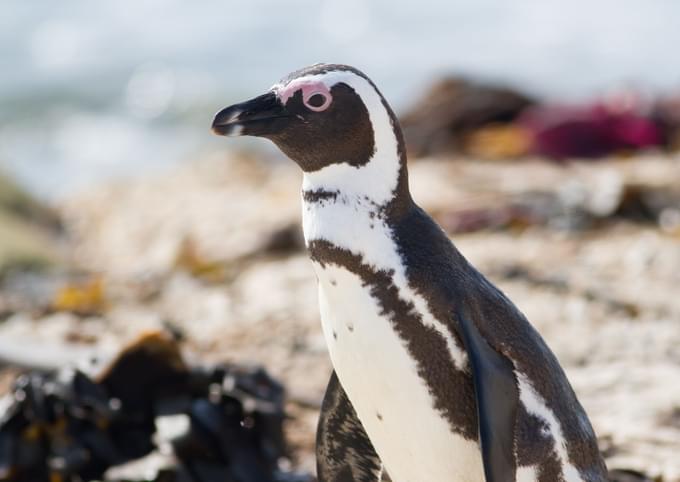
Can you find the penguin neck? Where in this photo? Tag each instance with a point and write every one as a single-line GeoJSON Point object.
{"type": "Point", "coordinates": [366, 186]}
{"type": "Point", "coordinates": [356, 209]}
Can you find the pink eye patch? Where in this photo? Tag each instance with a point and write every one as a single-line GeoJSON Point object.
{"type": "Point", "coordinates": [315, 95]}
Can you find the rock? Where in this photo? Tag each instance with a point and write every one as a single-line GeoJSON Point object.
{"type": "Point", "coordinates": [666, 113]}
{"type": "Point", "coordinates": [625, 475]}
{"type": "Point", "coordinates": [452, 109]}
{"type": "Point", "coordinates": [286, 240]}
{"type": "Point", "coordinates": [28, 230]}
{"type": "Point", "coordinates": [18, 202]}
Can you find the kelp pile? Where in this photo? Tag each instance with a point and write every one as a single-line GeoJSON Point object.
{"type": "Point", "coordinates": [146, 416]}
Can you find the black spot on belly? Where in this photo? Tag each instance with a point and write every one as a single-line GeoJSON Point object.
{"type": "Point", "coordinates": [335, 335]}
{"type": "Point", "coordinates": [350, 328]}
{"type": "Point", "coordinates": [451, 389]}
{"type": "Point", "coordinates": [379, 416]}
{"type": "Point", "coordinates": [319, 195]}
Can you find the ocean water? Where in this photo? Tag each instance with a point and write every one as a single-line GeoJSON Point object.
{"type": "Point", "coordinates": [95, 90]}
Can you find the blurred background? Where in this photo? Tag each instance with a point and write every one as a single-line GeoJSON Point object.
{"type": "Point", "coordinates": [542, 135]}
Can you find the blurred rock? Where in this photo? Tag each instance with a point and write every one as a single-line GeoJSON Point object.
{"type": "Point", "coordinates": [624, 475]}
{"type": "Point", "coordinates": [452, 109]}
{"type": "Point", "coordinates": [28, 228]}
{"type": "Point", "coordinates": [666, 112]}
{"type": "Point", "coordinates": [285, 240]}
{"type": "Point", "coordinates": [18, 202]}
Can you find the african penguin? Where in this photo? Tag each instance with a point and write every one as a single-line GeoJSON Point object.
{"type": "Point", "coordinates": [438, 376]}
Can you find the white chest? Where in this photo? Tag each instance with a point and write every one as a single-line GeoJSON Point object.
{"type": "Point", "coordinates": [380, 377]}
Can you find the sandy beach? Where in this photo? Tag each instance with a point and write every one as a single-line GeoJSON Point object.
{"type": "Point", "coordinates": [213, 248]}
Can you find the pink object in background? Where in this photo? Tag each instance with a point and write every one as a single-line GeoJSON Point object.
{"type": "Point", "coordinates": [594, 130]}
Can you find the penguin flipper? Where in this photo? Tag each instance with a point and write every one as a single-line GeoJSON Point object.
{"type": "Point", "coordinates": [344, 452]}
{"type": "Point", "coordinates": [497, 398]}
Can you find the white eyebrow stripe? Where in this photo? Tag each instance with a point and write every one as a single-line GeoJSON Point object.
{"type": "Point", "coordinates": [306, 84]}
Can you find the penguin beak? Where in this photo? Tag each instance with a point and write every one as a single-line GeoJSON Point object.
{"type": "Point", "coordinates": [262, 116]}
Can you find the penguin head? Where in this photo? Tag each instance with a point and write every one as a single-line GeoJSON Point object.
{"type": "Point", "coordinates": [322, 115]}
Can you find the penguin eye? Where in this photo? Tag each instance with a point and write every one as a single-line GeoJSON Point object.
{"type": "Point", "coordinates": [317, 101]}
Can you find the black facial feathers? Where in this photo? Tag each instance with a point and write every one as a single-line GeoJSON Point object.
{"type": "Point", "coordinates": [342, 133]}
